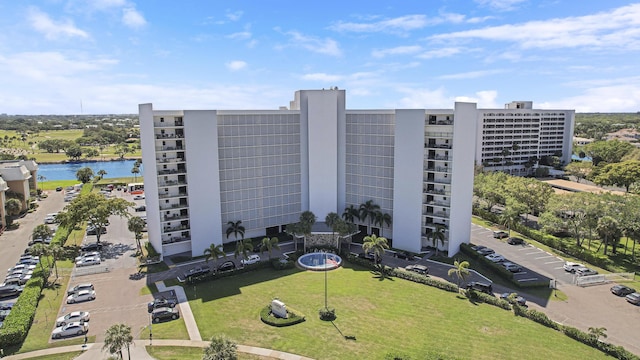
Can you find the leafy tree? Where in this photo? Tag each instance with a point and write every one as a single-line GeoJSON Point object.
{"type": "Point", "coordinates": [13, 207]}
{"type": "Point", "coordinates": [460, 270]}
{"type": "Point", "coordinates": [214, 251]}
{"type": "Point", "coordinates": [375, 244]}
{"type": "Point", "coordinates": [101, 173]}
{"type": "Point", "coordinates": [221, 348]}
{"type": "Point", "coordinates": [84, 175]}
{"type": "Point", "coordinates": [511, 213]}
{"type": "Point", "coordinates": [598, 332]}
{"type": "Point", "coordinates": [41, 232]}
{"type": "Point", "coordinates": [532, 193]}
{"type": "Point", "coordinates": [122, 150]}
{"type": "Point", "coordinates": [39, 250]}
{"type": "Point", "coordinates": [630, 221]}
{"type": "Point", "coordinates": [268, 245]}
{"type": "Point", "coordinates": [243, 247]}
{"type": "Point", "coordinates": [608, 151]}
{"type": "Point", "coordinates": [571, 212]}
{"type": "Point", "coordinates": [95, 209]}
{"type": "Point", "coordinates": [580, 169]}
{"type": "Point", "coordinates": [343, 228]}
{"type": "Point", "coordinates": [235, 228]}
{"type": "Point", "coordinates": [116, 338]}
{"type": "Point", "coordinates": [609, 231]}
{"type": "Point", "coordinates": [368, 211]}
{"type": "Point", "coordinates": [136, 225]}
{"type": "Point", "coordinates": [74, 152]}
{"type": "Point", "coordinates": [351, 214]}
{"type": "Point", "coordinates": [91, 153]}
{"type": "Point", "coordinates": [490, 187]}
{"type": "Point", "coordinates": [622, 174]}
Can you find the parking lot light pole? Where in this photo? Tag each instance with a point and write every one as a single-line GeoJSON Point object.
{"type": "Point", "coordinates": [150, 329]}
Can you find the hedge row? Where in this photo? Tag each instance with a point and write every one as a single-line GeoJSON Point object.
{"type": "Point", "coordinates": [219, 275]}
{"type": "Point", "coordinates": [551, 241]}
{"type": "Point", "coordinates": [16, 326]}
{"type": "Point", "coordinates": [499, 269]}
{"type": "Point", "coordinates": [294, 318]}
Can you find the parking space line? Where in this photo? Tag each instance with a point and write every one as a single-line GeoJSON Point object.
{"type": "Point", "coordinates": [558, 268]}
{"type": "Point", "coordinates": [533, 253]}
{"type": "Point", "coordinates": [520, 273]}
{"type": "Point", "coordinates": [551, 262]}
{"type": "Point", "coordinates": [529, 279]}
{"type": "Point", "coordinates": [542, 257]}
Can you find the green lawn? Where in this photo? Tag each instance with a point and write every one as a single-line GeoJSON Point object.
{"type": "Point", "coordinates": [383, 315]}
{"type": "Point", "coordinates": [175, 329]}
{"type": "Point", "coordinates": [184, 353]}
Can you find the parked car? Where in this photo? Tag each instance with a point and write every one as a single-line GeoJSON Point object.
{"type": "Point", "coordinates": [28, 261]}
{"type": "Point", "coordinates": [82, 295]}
{"type": "Point", "coordinates": [516, 298]}
{"type": "Point", "coordinates": [16, 280]}
{"type": "Point", "coordinates": [585, 271]}
{"type": "Point", "coordinates": [571, 266]}
{"type": "Point", "coordinates": [10, 290]}
{"type": "Point", "coordinates": [496, 258]}
{"type": "Point", "coordinates": [197, 271]}
{"type": "Point", "coordinates": [80, 287]}
{"type": "Point", "coordinates": [4, 314]}
{"type": "Point", "coordinates": [160, 303]}
{"type": "Point", "coordinates": [87, 255]}
{"type": "Point", "coordinates": [485, 251]}
{"type": "Point", "coordinates": [59, 188]}
{"type": "Point", "coordinates": [71, 329]}
{"type": "Point", "coordinates": [633, 298]}
{"type": "Point", "coordinates": [88, 261]}
{"type": "Point", "coordinates": [91, 247]}
{"type": "Point", "coordinates": [515, 241]}
{"type": "Point", "coordinates": [140, 208]}
{"type": "Point", "coordinates": [499, 234]}
{"type": "Point", "coordinates": [227, 266]}
{"type": "Point", "coordinates": [76, 316]}
{"type": "Point", "coordinates": [93, 230]}
{"type": "Point", "coordinates": [138, 197]}
{"type": "Point", "coordinates": [252, 259]}
{"type": "Point", "coordinates": [512, 267]}
{"type": "Point", "coordinates": [477, 248]}
{"type": "Point", "coordinates": [420, 269]}
{"type": "Point", "coordinates": [23, 267]}
{"type": "Point", "coordinates": [480, 286]}
{"type": "Point", "coordinates": [622, 290]}
{"type": "Point", "coordinates": [164, 313]}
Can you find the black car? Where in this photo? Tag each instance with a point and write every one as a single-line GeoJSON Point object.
{"type": "Point", "coordinates": [480, 286]}
{"type": "Point", "coordinates": [92, 230]}
{"type": "Point", "coordinates": [622, 290]}
{"type": "Point", "coordinates": [485, 251]}
{"type": "Point", "coordinates": [10, 290]}
{"type": "Point", "coordinates": [91, 247]}
{"type": "Point", "coordinates": [227, 266]}
{"type": "Point", "coordinates": [141, 208]}
{"type": "Point", "coordinates": [515, 241]}
{"type": "Point", "coordinates": [164, 313]}
{"type": "Point", "coordinates": [198, 271]}
{"type": "Point", "coordinates": [161, 303]}
{"type": "Point", "coordinates": [59, 188]}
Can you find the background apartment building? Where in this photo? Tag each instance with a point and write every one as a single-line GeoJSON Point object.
{"type": "Point", "coordinates": [265, 167]}
{"type": "Point", "coordinates": [516, 138]}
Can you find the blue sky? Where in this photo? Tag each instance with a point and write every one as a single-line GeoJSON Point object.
{"type": "Point", "coordinates": [111, 55]}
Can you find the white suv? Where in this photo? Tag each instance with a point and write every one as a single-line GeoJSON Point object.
{"type": "Point", "coordinates": [571, 266]}
{"type": "Point", "coordinates": [252, 259]}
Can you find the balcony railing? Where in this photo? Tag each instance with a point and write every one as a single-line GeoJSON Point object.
{"type": "Point", "coordinates": [172, 183]}
{"type": "Point", "coordinates": [168, 124]}
{"type": "Point", "coordinates": [441, 214]}
{"type": "Point", "coordinates": [175, 217]}
{"type": "Point", "coordinates": [169, 195]}
{"type": "Point", "coordinates": [438, 192]}
{"type": "Point", "coordinates": [432, 134]}
{"type": "Point", "coordinates": [444, 169]}
{"type": "Point", "coordinates": [440, 157]}
{"type": "Point", "coordinates": [176, 228]}
{"type": "Point", "coordinates": [437, 146]}
{"type": "Point", "coordinates": [171, 171]}
{"type": "Point", "coordinates": [439, 181]}
{"type": "Point", "coordinates": [175, 240]}
{"type": "Point", "coordinates": [439, 203]}
{"type": "Point", "coordinates": [434, 225]}
{"type": "Point", "coordinates": [172, 206]}
{"type": "Point", "coordinates": [169, 148]}
{"type": "Point", "coordinates": [169, 136]}
{"type": "Point", "coordinates": [170, 160]}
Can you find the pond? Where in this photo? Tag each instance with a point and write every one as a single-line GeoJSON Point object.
{"type": "Point", "coordinates": [67, 171]}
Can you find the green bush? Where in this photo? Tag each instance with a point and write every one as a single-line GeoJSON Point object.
{"type": "Point", "coordinates": [292, 319]}
{"type": "Point", "coordinates": [489, 299]}
{"type": "Point", "coordinates": [278, 264]}
{"type": "Point", "coordinates": [542, 318]}
{"type": "Point", "coordinates": [16, 325]}
{"type": "Point", "coordinates": [327, 314]}
{"type": "Point", "coordinates": [219, 275]}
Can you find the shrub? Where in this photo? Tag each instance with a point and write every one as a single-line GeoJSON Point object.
{"type": "Point", "coordinates": [280, 264]}
{"type": "Point", "coordinates": [18, 322]}
{"type": "Point", "coordinates": [542, 318]}
{"type": "Point", "coordinates": [219, 275]}
{"type": "Point", "coordinates": [293, 317]}
{"type": "Point", "coordinates": [488, 299]}
{"type": "Point", "coordinates": [327, 314]}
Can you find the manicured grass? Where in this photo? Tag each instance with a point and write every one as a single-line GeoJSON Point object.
{"type": "Point", "coordinates": [174, 329]}
{"type": "Point", "coordinates": [64, 356]}
{"type": "Point", "coordinates": [383, 315]}
{"type": "Point", "coordinates": [53, 184]}
{"type": "Point", "coordinates": [184, 353]}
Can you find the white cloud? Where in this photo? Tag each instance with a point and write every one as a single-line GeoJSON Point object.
{"type": "Point", "coordinates": [501, 5]}
{"type": "Point", "coordinates": [471, 74]}
{"type": "Point", "coordinates": [133, 18]}
{"type": "Point", "coordinates": [424, 99]}
{"type": "Point", "coordinates": [236, 65]}
{"type": "Point", "coordinates": [399, 50]}
{"type": "Point", "coordinates": [51, 66]}
{"type": "Point", "coordinates": [51, 29]}
{"type": "Point", "coordinates": [322, 77]}
{"type": "Point", "coordinates": [234, 16]}
{"type": "Point", "coordinates": [242, 35]}
{"type": "Point", "coordinates": [617, 29]}
{"type": "Point", "coordinates": [404, 24]}
{"type": "Point", "coordinates": [485, 99]}
{"type": "Point", "coordinates": [322, 46]}
{"type": "Point", "coordinates": [440, 53]}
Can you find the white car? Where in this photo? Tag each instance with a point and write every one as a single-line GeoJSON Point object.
{"type": "Point", "coordinates": [496, 258]}
{"type": "Point", "coordinates": [512, 267]}
{"type": "Point", "coordinates": [252, 259]}
{"type": "Point", "coordinates": [585, 271]}
{"type": "Point", "coordinates": [571, 266]}
{"type": "Point", "coordinates": [71, 329]}
{"type": "Point", "coordinates": [82, 295]}
{"type": "Point", "coordinates": [21, 267]}
{"type": "Point", "coordinates": [76, 316]}
{"type": "Point", "coordinates": [88, 255]}
{"type": "Point", "coordinates": [88, 261]}
{"type": "Point", "coordinates": [138, 197]}
{"type": "Point", "coordinates": [79, 287]}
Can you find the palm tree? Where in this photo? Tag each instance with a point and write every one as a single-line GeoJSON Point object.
{"type": "Point", "coordinates": [351, 214]}
{"type": "Point", "coordinates": [41, 251]}
{"type": "Point", "coordinates": [307, 220]}
{"type": "Point", "coordinates": [368, 211]}
{"type": "Point", "coordinates": [41, 232]}
{"type": "Point", "coordinates": [598, 332]}
{"type": "Point", "coordinates": [436, 235]}
{"type": "Point", "coordinates": [243, 247]}
{"type": "Point", "coordinates": [214, 251]}
{"type": "Point", "coordinates": [268, 245]}
{"type": "Point", "coordinates": [609, 231]}
{"type": "Point", "coordinates": [135, 171]}
{"type": "Point", "coordinates": [117, 337]}
{"type": "Point", "coordinates": [331, 220]}
{"type": "Point", "coordinates": [460, 270]}
{"type": "Point", "coordinates": [375, 244]}
{"type": "Point", "coordinates": [381, 219]}
{"type": "Point", "coordinates": [136, 225]}
{"type": "Point", "coordinates": [101, 173]}
{"type": "Point", "coordinates": [235, 228]}
{"type": "Point", "coordinates": [56, 251]}
{"type": "Point", "coordinates": [221, 348]}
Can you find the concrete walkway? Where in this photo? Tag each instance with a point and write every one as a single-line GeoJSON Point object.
{"type": "Point", "coordinates": [138, 350]}
{"type": "Point", "coordinates": [185, 310]}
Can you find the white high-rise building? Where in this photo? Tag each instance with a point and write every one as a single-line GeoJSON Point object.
{"type": "Point", "coordinates": [265, 167]}
{"type": "Point", "coordinates": [517, 138]}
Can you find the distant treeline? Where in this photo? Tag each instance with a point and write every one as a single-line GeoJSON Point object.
{"type": "Point", "coordinates": [597, 125]}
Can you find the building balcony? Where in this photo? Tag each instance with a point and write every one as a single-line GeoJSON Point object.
{"type": "Point", "coordinates": [433, 225]}
{"type": "Point", "coordinates": [167, 124]}
{"type": "Point", "coordinates": [440, 157]}
{"type": "Point", "coordinates": [440, 214]}
{"type": "Point", "coordinates": [438, 192]}
{"type": "Point", "coordinates": [172, 183]}
{"type": "Point", "coordinates": [174, 217]}
{"type": "Point", "coordinates": [171, 171]}
{"type": "Point", "coordinates": [169, 136]}
{"type": "Point", "coordinates": [169, 148]}
{"type": "Point", "coordinates": [167, 230]}
{"type": "Point", "coordinates": [438, 181]}
{"type": "Point", "coordinates": [437, 146]}
{"type": "Point", "coordinates": [439, 203]}
{"type": "Point", "coordinates": [167, 196]}
{"type": "Point", "coordinates": [175, 240]}
{"type": "Point", "coordinates": [173, 206]}
{"type": "Point", "coordinates": [441, 169]}
{"type": "Point", "coordinates": [435, 134]}
{"type": "Point", "coordinates": [170, 160]}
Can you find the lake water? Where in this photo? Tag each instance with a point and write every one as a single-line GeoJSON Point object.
{"type": "Point", "coordinates": [68, 171]}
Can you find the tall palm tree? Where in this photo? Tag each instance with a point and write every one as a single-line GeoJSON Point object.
{"type": "Point", "coordinates": [375, 244]}
{"type": "Point", "coordinates": [235, 228]}
{"type": "Point", "coordinates": [351, 214]}
{"type": "Point", "coordinates": [609, 231]}
{"type": "Point", "coordinates": [331, 220]}
{"type": "Point", "coordinates": [136, 225]}
{"type": "Point", "coordinates": [57, 252]}
{"type": "Point", "coordinates": [214, 251]}
{"type": "Point", "coordinates": [307, 220]}
{"type": "Point", "coordinates": [381, 219]}
{"type": "Point", "coordinates": [460, 270]}
{"type": "Point", "coordinates": [135, 171]}
{"type": "Point", "coordinates": [368, 211]}
{"type": "Point", "coordinates": [41, 251]}
{"type": "Point", "coordinates": [243, 247]}
{"type": "Point", "coordinates": [598, 332]}
{"type": "Point", "coordinates": [220, 348]}
{"type": "Point", "coordinates": [101, 173]}
{"type": "Point", "coordinates": [438, 234]}
{"type": "Point", "coordinates": [268, 245]}
{"type": "Point", "coordinates": [117, 337]}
